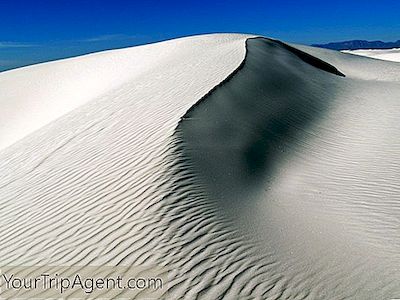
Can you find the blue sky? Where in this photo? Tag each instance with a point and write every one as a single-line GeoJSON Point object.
{"type": "Point", "coordinates": [36, 31]}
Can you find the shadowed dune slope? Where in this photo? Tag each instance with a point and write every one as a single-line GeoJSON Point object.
{"type": "Point", "coordinates": [278, 148]}
{"type": "Point", "coordinates": [248, 118]}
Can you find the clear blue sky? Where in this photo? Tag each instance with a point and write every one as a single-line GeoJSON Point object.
{"type": "Point", "coordinates": [34, 31]}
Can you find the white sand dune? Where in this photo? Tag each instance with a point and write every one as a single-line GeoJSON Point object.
{"type": "Point", "coordinates": [36, 95]}
{"type": "Point", "coordinates": [248, 168]}
{"type": "Point", "coordinates": [384, 54]}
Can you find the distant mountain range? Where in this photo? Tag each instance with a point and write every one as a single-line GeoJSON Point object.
{"type": "Point", "coordinates": [359, 44]}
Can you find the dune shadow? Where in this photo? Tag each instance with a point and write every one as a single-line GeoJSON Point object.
{"type": "Point", "coordinates": [237, 135]}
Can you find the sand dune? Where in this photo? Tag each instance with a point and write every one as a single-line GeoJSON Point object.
{"type": "Point", "coordinates": [249, 168]}
{"type": "Point", "coordinates": [33, 96]}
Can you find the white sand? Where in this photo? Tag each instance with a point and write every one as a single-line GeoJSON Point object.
{"type": "Point", "coordinates": [384, 54]}
{"type": "Point", "coordinates": [89, 187]}
{"type": "Point", "coordinates": [33, 96]}
{"type": "Point", "coordinates": [106, 180]}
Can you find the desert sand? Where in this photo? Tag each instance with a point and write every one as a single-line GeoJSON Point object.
{"type": "Point", "coordinates": [384, 54]}
{"type": "Point", "coordinates": [249, 168]}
